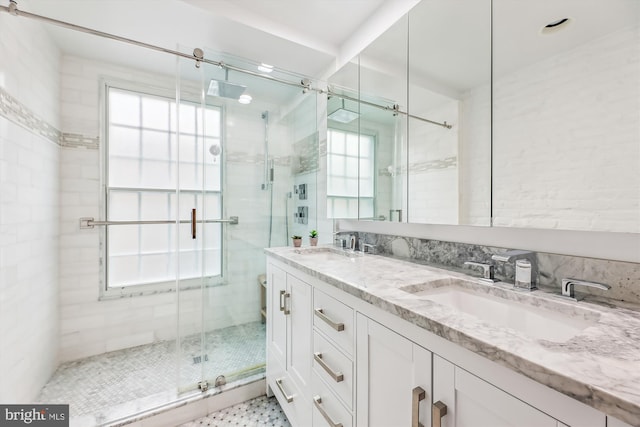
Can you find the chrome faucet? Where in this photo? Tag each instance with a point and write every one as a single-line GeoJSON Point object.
{"type": "Point", "coordinates": [569, 284]}
{"type": "Point", "coordinates": [488, 271]}
{"type": "Point", "coordinates": [526, 267]}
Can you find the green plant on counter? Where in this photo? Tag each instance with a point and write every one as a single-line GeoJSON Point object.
{"type": "Point", "coordinates": [313, 233]}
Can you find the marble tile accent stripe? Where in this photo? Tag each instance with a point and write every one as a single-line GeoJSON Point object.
{"type": "Point", "coordinates": [243, 157]}
{"type": "Point", "coordinates": [74, 140]}
{"type": "Point", "coordinates": [422, 167]}
{"type": "Point", "coordinates": [18, 113]}
{"type": "Point", "coordinates": [307, 154]}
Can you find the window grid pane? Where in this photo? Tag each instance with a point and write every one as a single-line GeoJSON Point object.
{"type": "Point", "coordinates": [350, 174]}
{"type": "Point", "coordinates": [142, 174]}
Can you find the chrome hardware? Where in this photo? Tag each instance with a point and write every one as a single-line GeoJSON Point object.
{"type": "Point", "coordinates": [317, 400]}
{"type": "Point", "coordinates": [398, 211]}
{"type": "Point", "coordinates": [337, 376]}
{"type": "Point", "coordinates": [288, 398]}
{"type": "Point", "coordinates": [284, 305]}
{"type": "Point", "coordinates": [282, 293]}
{"type": "Point", "coordinates": [522, 270]}
{"type": "Point", "coordinates": [90, 222]}
{"type": "Point", "coordinates": [203, 386]}
{"type": "Point", "coordinates": [488, 271]}
{"type": "Point", "coordinates": [368, 248]}
{"type": "Point", "coordinates": [438, 411]}
{"type": "Point", "coordinates": [569, 284]}
{"type": "Point", "coordinates": [337, 326]}
{"type": "Point", "coordinates": [220, 381]}
{"type": "Point", "coordinates": [193, 223]}
{"type": "Point", "coordinates": [418, 395]}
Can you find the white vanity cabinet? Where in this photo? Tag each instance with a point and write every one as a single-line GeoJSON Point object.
{"type": "Point", "coordinates": [289, 343]}
{"type": "Point", "coordinates": [336, 360]}
{"type": "Point", "coordinates": [333, 388]}
{"type": "Point", "coordinates": [393, 378]}
{"type": "Point", "coordinates": [464, 400]}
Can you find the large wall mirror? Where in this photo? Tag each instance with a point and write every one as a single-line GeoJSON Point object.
{"type": "Point", "coordinates": [541, 104]}
{"type": "Point", "coordinates": [566, 114]}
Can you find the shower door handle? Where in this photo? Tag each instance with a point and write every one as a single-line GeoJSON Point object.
{"type": "Point", "coordinates": [193, 223]}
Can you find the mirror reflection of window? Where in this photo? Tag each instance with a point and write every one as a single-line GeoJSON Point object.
{"type": "Point", "coordinates": [346, 177]}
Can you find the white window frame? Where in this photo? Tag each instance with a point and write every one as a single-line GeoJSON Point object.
{"type": "Point", "coordinates": [112, 292]}
{"type": "Point", "coordinates": [373, 135]}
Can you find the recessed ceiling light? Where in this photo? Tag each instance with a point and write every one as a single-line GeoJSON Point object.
{"type": "Point", "coordinates": [265, 68]}
{"type": "Point", "coordinates": [245, 99]}
{"type": "Point", "coordinates": [555, 26]}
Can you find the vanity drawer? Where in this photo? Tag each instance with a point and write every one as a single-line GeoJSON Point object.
{"type": "Point", "coordinates": [334, 368]}
{"type": "Point", "coordinates": [334, 319]}
{"type": "Point", "coordinates": [327, 408]}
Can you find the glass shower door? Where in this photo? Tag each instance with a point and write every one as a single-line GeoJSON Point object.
{"type": "Point", "coordinates": [248, 148]}
{"type": "Point", "coordinates": [221, 337]}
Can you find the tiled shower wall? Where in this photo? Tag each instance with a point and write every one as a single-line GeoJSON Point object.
{"type": "Point", "coordinates": [89, 326]}
{"type": "Point", "coordinates": [29, 153]}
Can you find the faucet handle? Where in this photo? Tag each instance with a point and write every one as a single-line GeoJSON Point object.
{"type": "Point", "coordinates": [487, 271]}
{"type": "Point", "coordinates": [569, 284]}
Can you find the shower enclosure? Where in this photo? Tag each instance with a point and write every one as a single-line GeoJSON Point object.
{"type": "Point", "coordinates": [202, 165]}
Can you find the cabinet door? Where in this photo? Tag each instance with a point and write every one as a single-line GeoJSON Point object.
{"type": "Point", "coordinates": [300, 352]}
{"type": "Point", "coordinates": [276, 318]}
{"type": "Point", "coordinates": [472, 402]}
{"type": "Point", "coordinates": [389, 369]}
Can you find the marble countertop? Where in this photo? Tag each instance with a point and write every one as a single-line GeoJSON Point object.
{"type": "Point", "coordinates": [600, 366]}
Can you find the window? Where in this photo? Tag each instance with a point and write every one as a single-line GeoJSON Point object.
{"type": "Point", "coordinates": [146, 160]}
{"type": "Point", "coordinates": [344, 188]}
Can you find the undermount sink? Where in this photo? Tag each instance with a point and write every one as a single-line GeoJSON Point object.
{"type": "Point", "coordinates": [535, 322]}
{"type": "Point", "coordinates": [328, 252]}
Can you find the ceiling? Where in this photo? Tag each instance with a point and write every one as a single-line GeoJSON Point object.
{"type": "Point", "coordinates": [310, 37]}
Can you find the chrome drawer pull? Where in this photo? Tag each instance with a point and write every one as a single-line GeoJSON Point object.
{"type": "Point", "coordinates": [288, 398]}
{"type": "Point", "coordinates": [317, 400]}
{"type": "Point", "coordinates": [287, 310]}
{"type": "Point", "coordinates": [337, 376]}
{"type": "Point", "coordinates": [337, 326]}
{"type": "Point", "coordinates": [439, 410]}
{"type": "Point", "coordinates": [282, 293]}
{"type": "Point", "coordinates": [418, 394]}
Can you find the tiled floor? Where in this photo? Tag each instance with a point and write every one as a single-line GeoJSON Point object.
{"type": "Point", "coordinates": [260, 412]}
{"type": "Point", "coordinates": [130, 380]}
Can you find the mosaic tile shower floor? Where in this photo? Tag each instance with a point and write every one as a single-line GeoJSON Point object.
{"type": "Point", "coordinates": [113, 382]}
{"type": "Point", "coordinates": [260, 412]}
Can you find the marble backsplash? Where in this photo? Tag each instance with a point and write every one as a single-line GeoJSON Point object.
{"type": "Point", "coordinates": [623, 277]}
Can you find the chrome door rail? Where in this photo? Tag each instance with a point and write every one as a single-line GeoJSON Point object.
{"type": "Point", "coordinates": [90, 222]}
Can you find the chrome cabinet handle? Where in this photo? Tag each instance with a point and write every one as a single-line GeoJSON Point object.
{"type": "Point", "coordinates": [317, 400]}
{"type": "Point", "coordinates": [282, 293]}
{"type": "Point", "coordinates": [286, 310]}
{"type": "Point", "coordinates": [288, 398]}
{"type": "Point", "coordinates": [418, 395]}
{"type": "Point", "coordinates": [337, 376]}
{"type": "Point", "coordinates": [439, 410]}
{"type": "Point", "coordinates": [337, 326]}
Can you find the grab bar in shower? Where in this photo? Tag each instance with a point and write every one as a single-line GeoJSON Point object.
{"type": "Point", "coordinates": [90, 222]}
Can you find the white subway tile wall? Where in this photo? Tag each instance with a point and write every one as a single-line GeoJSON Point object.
{"type": "Point", "coordinates": [554, 117]}
{"type": "Point", "coordinates": [28, 213]}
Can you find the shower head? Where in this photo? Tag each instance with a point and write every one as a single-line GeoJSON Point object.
{"type": "Point", "coordinates": [343, 115]}
{"type": "Point", "coordinates": [225, 89]}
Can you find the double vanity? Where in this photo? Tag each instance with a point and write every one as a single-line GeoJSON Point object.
{"type": "Point", "coordinates": [366, 340]}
